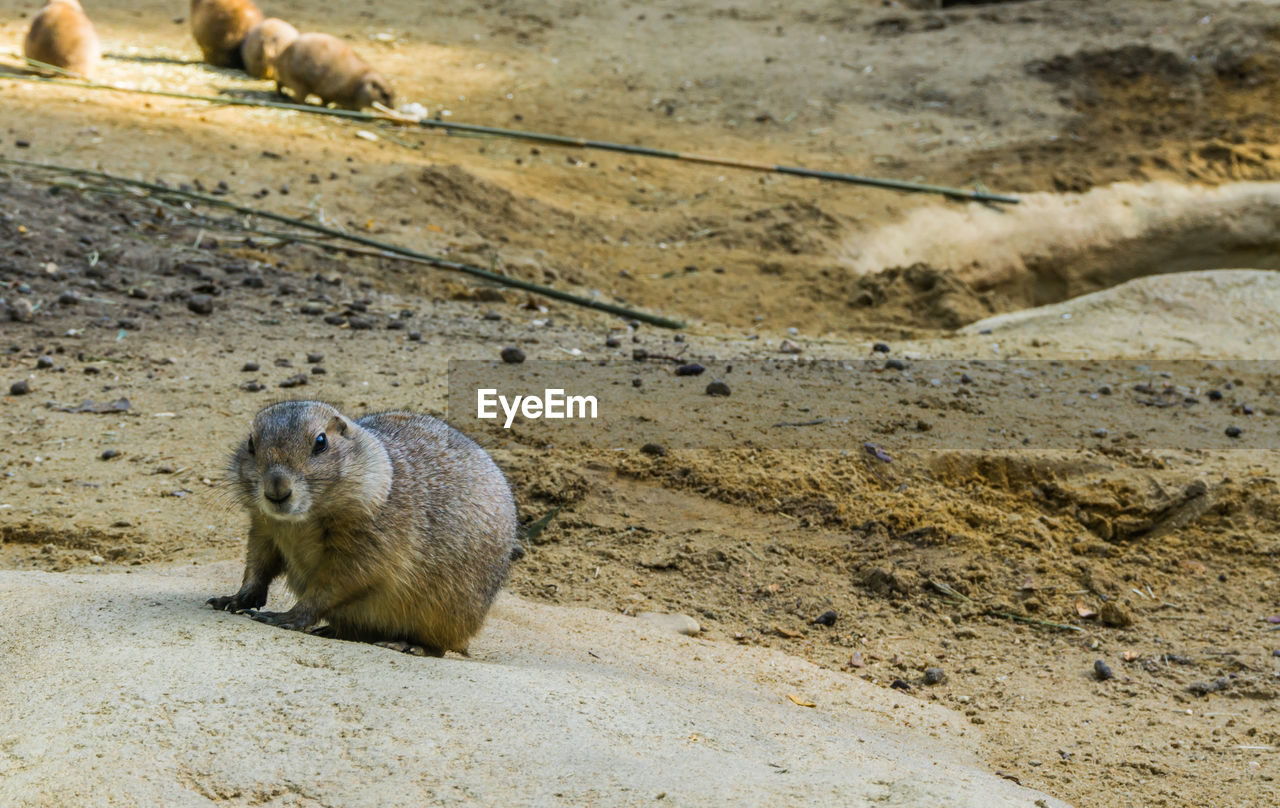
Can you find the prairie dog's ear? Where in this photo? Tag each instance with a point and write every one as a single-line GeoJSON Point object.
{"type": "Point", "coordinates": [339, 425]}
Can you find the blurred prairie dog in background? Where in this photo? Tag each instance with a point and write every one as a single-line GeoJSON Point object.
{"type": "Point", "coordinates": [62, 35]}
{"type": "Point", "coordinates": [264, 44]}
{"type": "Point", "coordinates": [220, 26]}
{"type": "Point", "coordinates": [325, 66]}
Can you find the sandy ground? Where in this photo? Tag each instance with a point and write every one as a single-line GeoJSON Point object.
{"type": "Point", "coordinates": [1141, 137]}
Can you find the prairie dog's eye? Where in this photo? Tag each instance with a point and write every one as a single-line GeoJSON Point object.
{"type": "Point", "coordinates": [321, 444]}
{"type": "Point", "coordinates": [251, 450]}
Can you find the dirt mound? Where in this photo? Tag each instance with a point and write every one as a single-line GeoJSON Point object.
{"type": "Point", "coordinates": [919, 296]}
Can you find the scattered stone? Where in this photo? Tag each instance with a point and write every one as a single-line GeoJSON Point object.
{"type": "Point", "coordinates": [284, 362]}
{"type": "Point", "coordinates": [1214, 395]}
{"type": "Point", "coordinates": [69, 298]}
{"type": "Point", "coordinates": [296, 380]}
{"type": "Point", "coordinates": [637, 382]}
{"type": "Point", "coordinates": [678, 623]}
{"type": "Point", "coordinates": [249, 367]}
{"type": "Point", "coordinates": [44, 363]}
{"type": "Point", "coordinates": [612, 342]}
{"type": "Point", "coordinates": [1102, 670]}
{"type": "Point", "coordinates": [396, 325]}
{"type": "Point", "coordinates": [856, 660]}
{"type": "Point", "coordinates": [1099, 433]}
{"type": "Point", "coordinates": [1205, 688]}
{"type": "Point", "coordinates": [880, 347]}
{"type": "Point", "coordinates": [253, 386]}
{"type": "Point", "coordinates": [512, 355]}
{"type": "Point", "coordinates": [492, 315]}
{"type": "Point", "coordinates": [895, 364]}
{"type": "Point", "coordinates": [318, 371]}
{"type": "Point", "coordinates": [717, 388]}
{"type": "Point", "coordinates": [128, 325]}
{"type": "Point", "coordinates": [311, 309]}
{"type": "Point", "coordinates": [1114, 615]}
{"type": "Point", "coordinates": [415, 336]}
{"type": "Point", "coordinates": [107, 454]}
{"type": "Point", "coordinates": [691, 369]}
{"type": "Point", "coordinates": [201, 304]}
{"type": "Point", "coordinates": [335, 319]}
{"type": "Point", "coordinates": [97, 559]}
{"type": "Point", "coordinates": [654, 450]}
{"type": "Point", "coordinates": [254, 281]}
{"type": "Point", "coordinates": [358, 306]}
{"type": "Point", "coordinates": [92, 370]}
{"type": "Point", "coordinates": [20, 388]}
{"type": "Point", "coordinates": [22, 311]}
{"type": "Point", "coordinates": [314, 358]}
{"type": "Point", "coordinates": [360, 323]}
{"type": "Point", "coordinates": [1105, 390]}
{"type": "Point", "coordinates": [788, 346]}
{"type": "Point", "coordinates": [827, 618]}
{"type": "Point", "coordinates": [1234, 432]}
{"type": "Point", "coordinates": [899, 684]}
{"type": "Point", "coordinates": [934, 676]}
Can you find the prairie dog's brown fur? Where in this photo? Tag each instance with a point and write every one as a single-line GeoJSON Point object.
{"type": "Point", "coordinates": [62, 35]}
{"type": "Point", "coordinates": [220, 26]}
{"type": "Point", "coordinates": [264, 44]}
{"type": "Point", "coordinates": [394, 528]}
{"type": "Point", "coordinates": [325, 66]}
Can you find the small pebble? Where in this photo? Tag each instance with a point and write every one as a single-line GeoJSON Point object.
{"type": "Point", "coordinates": [415, 336]}
{"type": "Point", "coordinates": [107, 454]}
{"type": "Point", "coordinates": [253, 387]}
{"type": "Point", "coordinates": [311, 309]}
{"type": "Point", "coordinates": [637, 382]}
{"type": "Point", "coordinates": [789, 347]}
{"type": "Point", "coordinates": [44, 363]}
{"type": "Point", "coordinates": [827, 618]}
{"type": "Point", "coordinates": [1105, 390]}
{"type": "Point", "coordinates": [691, 369]}
{"type": "Point", "coordinates": [1102, 670]}
{"type": "Point", "coordinates": [318, 371]}
{"type": "Point", "coordinates": [1234, 432]}
{"type": "Point", "coordinates": [678, 623]}
{"type": "Point", "coordinates": [895, 364]}
{"type": "Point", "coordinates": [965, 378]}
{"type": "Point", "coordinates": [200, 304]}
{"type": "Point", "coordinates": [97, 559]}
{"type": "Point", "coordinates": [396, 325]}
{"type": "Point", "coordinates": [1099, 433]}
{"type": "Point", "coordinates": [20, 388]}
{"type": "Point", "coordinates": [360, 323]}
{"type": "Point", "coordinates": [654, 450]}
{"type": "Point", "coordinates": [334, 319]}
{"type": "Point", "coordinates": [492, 315]}
{"type": "Point", "coordinates": [934, 676]}
{"type": "Point", "coordinates": [315, 358]}
{"type": "Point", "coordinates": [512, 355]}
{"type": "Point", "coordinates": [880, 347]}
{"type": "Point", "coordinates": [68, 298]}
{"type": "Point", "coordinates": [612, 342]}
{"type": "Point", "coordinates": [1214, 395]}
{"type": "Point", "coordinates": [249, 367]}
{"type": "Point", "coordinates": [898, 684]}
{"type": "Point", "coordinates": [297, 380]}
{"type": "Point", "coordinates": [284, 362]}
{"type": "Point", "coordinates": [717, 388]}
{"type": "Point", "coordinates": [253, 281]}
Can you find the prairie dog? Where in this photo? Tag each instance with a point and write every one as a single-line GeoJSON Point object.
{"type": "Point", "coordinates": [264, 44]}
{"type": "Point", "coordinates": [325, 66]}
{"type": "Point", "coordinates": [62, 35]}
{"type": "Point", "coordinates": [220, 26]}
{"type": "Point", "coordinates": [394, 528]}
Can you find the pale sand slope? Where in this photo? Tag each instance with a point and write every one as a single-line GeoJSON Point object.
{"type": "Point", "coordinates": [1220, 313]}
{"type": "Point", "coordinates": [121, 690]}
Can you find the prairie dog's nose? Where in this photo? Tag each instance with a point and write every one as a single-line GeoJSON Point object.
{"type": "Point", "coordinates": [277, 486]}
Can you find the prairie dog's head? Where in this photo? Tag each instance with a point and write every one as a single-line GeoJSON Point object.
{"type": "Point", "coordinates": [375, 89]}
{"type": "Point", "coordinates": [304, 457]}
